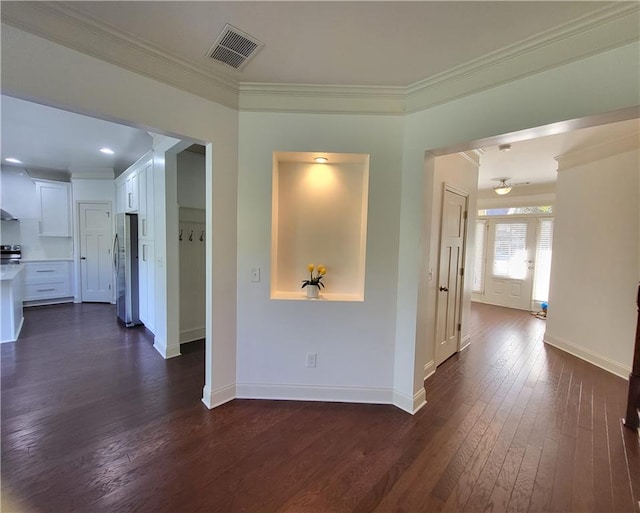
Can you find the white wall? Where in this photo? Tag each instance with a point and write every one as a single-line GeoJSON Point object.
{"type": "Point", "coordinates": [191, 180]}
{"type": "Point", "coordinates": [353, 340]}
{"type": "Point", "coordinates": [36, 69]}
{"type": "Point", "coordinates": [594, 271]}
{"type": "Point", "coordinates": [18, 197]}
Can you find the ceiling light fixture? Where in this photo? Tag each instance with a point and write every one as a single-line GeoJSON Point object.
{"type": "Point", "coordinates": [13, 160]}
{"type": "Point", "coordinates": [321, 160]}
{"type": "Point", "coordinates": [504, 148]}
{"type": "Point", "coordinates": [502, 188]}
{"type": "Point", "coordinates": [107, 151]}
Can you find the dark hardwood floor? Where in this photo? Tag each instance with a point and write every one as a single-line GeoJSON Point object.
{"type": "Point", "coordinates": [94, 420]}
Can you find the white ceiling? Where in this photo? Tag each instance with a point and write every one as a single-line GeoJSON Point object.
{"type": "Point", "coordinates": [47, 138]}
{"type": "Point", "coordinates": [534, 160]}
{"type": "Point", "coordinates": [339, 43]}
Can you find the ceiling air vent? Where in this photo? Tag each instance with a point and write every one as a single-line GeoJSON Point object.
{"type": "Point", "coordinates": [234, 47]}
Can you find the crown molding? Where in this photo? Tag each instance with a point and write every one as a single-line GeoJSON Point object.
{"type": "Point", "coordinates": [608, 28]}
{"type": "Point", "coordinates": [471, 156]}
{"type": "Point", "coordinates": [328, 99]}
{"type": "Point", "coordinates": [66, 26]}
{"type": "Point", "coordinates": [601, 151]}
{"type": "Point", "coordinates": [605, 29]}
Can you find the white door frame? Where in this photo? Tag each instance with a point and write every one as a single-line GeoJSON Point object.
{"type": "Point", "coordinates": [461, 192]}
{"type": "Point", "coordinates": [78, 245]}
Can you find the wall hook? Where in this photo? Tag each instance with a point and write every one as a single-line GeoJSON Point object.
{"type": "Point", "coordinates": [201, 235]}
{"type": "Point", "coordinates": [191, 235]}
{"type": "Point", "coordinates": [180, 236]}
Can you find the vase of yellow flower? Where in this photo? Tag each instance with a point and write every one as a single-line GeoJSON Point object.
{"type": "Point", "coordinates": [314, 283]}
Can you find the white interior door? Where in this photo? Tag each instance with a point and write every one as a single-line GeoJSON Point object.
{"type": "Point", "coordinates": [450, 285]}
{"type": "Point", "coordinates": [510, 262]}
{"type": "Point", "coordinates": [95, 252]}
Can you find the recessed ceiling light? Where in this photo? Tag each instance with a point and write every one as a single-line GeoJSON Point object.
{"type": "Point", "coordinates": [321, 160]}
{"type": "Point", "coordinates": [504, 147]}
{"type": "Point", "coordinates": [13, 160]}
{"type": "Point", "coordinates": [107, 151]}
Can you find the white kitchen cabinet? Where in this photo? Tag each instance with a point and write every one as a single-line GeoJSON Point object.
{"type": "Point", "coordinates": [47, 281]}
{"type": "Point", "coordinates": [121, 196]}
{"type": "Point", "coordinates": [132, 192]}
{"type": "Point", "coordinates": [145, 201]}
{"type": "Point", "coordinates": [54, 208]}
{"type": "Point", "coordinates": [146, 284]}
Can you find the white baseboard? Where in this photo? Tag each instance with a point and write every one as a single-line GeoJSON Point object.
{"type": "Point", "coordinates": [429, 369]}
{"type": "Point", "coordinates": [368, 395]}
{"type": "Point", "coordinates": [315, 393]}
{"type": "Point", "coordinates": [191, 335]}
{"type": "Point", "coordinates": [410, 404]}
{"type": "Point", "coordinates": [587, 355]}
{"type": "Point", "coordinates": [465, 342]}
{"type": "Point", "coordinates": [213, 398]}
{"type": "Point", "coordinates": [166, 352]}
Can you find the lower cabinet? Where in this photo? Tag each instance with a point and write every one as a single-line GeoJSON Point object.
{"type": "Point", "coordinates": [146, 284]}
{"type": "Point", "coordinates": [47, 282]}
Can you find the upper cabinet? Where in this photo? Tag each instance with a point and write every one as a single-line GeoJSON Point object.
{"type": "Point", "coordinates": [54, 208]}
{"type": "Point", "coordinates": [132, 192]}
{"type": "Point", "coordinates": [145, 200]}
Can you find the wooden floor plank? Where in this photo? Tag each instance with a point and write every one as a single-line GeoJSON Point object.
{"type": "Point", "coordinates": [94, 420]}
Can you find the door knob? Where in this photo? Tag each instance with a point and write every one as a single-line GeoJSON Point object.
{"type": "Point", "coordinates": [444, 289]}
{"type": "Point", "coordinates": [83, 258]}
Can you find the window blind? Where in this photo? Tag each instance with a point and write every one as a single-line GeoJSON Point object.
{"type": "Point", "coordinates": [543, 260]}
{"type": "Point", "coordinates": [479, 256]}
{"type": "Point", "coordinates": [510, 251]}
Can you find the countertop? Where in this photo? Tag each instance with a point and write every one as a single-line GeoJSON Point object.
{"type": "Point", "coordinates": [36, 260]}
{"type": "Point", "coordinates": [10, 271]}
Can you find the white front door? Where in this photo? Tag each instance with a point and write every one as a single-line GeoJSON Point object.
{"type": "Point", "coordinates": [95, 252]}
{"type": "Point", "coordinates": [450, 285]}
{"type": "Point", "coordinates": [510, 262]}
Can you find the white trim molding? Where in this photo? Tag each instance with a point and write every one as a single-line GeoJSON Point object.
{"type": "Point", "coordinates": [192, 334]}
{"type": "Point", "coordinates": [429, 369]}
{"type": "Point", "coordinates": [591, 357]}
{"type": "Point", "coordinates": [600, 151]}
{"type": "Point", "coordinates": [325, 99]}
{"type": "Point", "coordinates": [410, 404]}
{"type": "Point", "coordinates": [314, 393]}
{"type": "Point", "coordinates": [65, 25]}
{"type": "Point", "coordinates": [602, 30]}
{"type": "Point", "coordinates": [465, 342]}
{"type": "Point", "coordinates": [166, 351]}
{"type": "Point", "coordinates": [219, 396]}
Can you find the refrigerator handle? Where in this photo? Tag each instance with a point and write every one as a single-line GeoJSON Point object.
{"type": "Point", "coordinates": [116, 254]}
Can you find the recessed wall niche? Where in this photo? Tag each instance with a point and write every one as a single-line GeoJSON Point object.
{"type": "Point", "coordinates": [319, 216]}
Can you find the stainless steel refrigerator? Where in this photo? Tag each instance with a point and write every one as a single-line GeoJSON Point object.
{"type": "Point", "coordinates": [125, 263]}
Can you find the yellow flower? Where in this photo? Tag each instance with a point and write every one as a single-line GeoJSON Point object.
{"type": "Point", "coordinates": [322, 270]}
{"type": "Point", "coordinates": [311, 267]}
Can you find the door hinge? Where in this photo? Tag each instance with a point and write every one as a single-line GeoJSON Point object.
{"type": "Point", "coordinates": [466, 214]}
{"type": "Point", "coordinates": [459, 327]}
{"type": "Point", "coordinates": [108, 214]}
{"type": "Point", "coordinates": [109, 286]}
{"type": "Point", "coordinates": [462, 271]}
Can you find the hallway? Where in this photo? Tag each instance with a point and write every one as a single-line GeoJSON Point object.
{"type": "Point", "coordinates": [93, 420]}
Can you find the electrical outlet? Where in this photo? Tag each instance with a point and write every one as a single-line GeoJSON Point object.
{"type": "Point", "coordinates": [255, 274]}
{"type": "Point", "coordinates": [311, 360]}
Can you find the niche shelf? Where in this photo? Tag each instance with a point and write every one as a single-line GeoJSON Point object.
{"type": "Point", "coordinates": [319, 216]}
